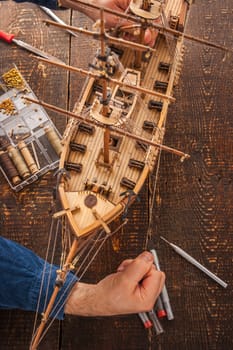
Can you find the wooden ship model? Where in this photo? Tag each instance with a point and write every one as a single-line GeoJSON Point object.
{"type": "Point", "coordinates": [115, 133]}
{"type": "Point", "coordinates": [116, 129]}
{"type": "Point", "coordinates": [110, 152]}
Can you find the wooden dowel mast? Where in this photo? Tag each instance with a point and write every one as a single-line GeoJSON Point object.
{"type": "Point", "coordinates": [69, 259]}
{"type": "Point", "coordinates": [105, 107]}
{"type": "Point", "coordinates": [111, 128]}
{"type": "Point", "coordinates": [105, 36]}
{"type": "Point", "coordinates": [78, 3]}
{"type": "Point", "coordinates": [98, 76]}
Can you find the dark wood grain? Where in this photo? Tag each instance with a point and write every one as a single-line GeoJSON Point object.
{"type": "Point", "coordinates": [193, 203]}
{"type": "Point", "coordinates": [26, 216]}
{"type": "Point", "coordinates": [196, 205]}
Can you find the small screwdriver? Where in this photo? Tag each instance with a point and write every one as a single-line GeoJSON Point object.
{"type": "Point", "coordinates": [157, 326]}
{"type": "Point", "coordinates": [159, 308]}
{"type": "Point", "coordinates": [164, 293]}
{"type": "Point", "coordinates": [193, 261]}
{"type": "Point", "coordinates": [145, 320]}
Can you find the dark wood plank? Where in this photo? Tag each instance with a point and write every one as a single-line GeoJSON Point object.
{"type": "Point", "coordinates": [195, 196]}
{"type": "Point", "coordinates": [193, 199]}
{"type": "Point", "coordinates": [25, 216]}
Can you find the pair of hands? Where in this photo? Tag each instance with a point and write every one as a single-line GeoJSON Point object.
{"type": "Point", "coordinates": [133, 288]}
{"type": "Point", "coordinates": [111, 20]}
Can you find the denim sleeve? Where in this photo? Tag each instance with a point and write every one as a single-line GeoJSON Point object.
{"type": "Point", "coordinates": [21, 275]}
{"type": "Point", "coordinates": [51, 4]}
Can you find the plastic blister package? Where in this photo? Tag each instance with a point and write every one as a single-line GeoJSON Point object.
{"type": "Point", "coordinates": [30, 144]}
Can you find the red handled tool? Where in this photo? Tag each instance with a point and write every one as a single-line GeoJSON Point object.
{"type": "Point", "coordinates": [10, 38]}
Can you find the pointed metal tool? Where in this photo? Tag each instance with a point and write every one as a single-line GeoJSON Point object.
{"type": "Point", "coordinates": [51, 14]}
{"type": "Point", "coordinates": [10, 38]}
{"type": "Point", "coordinates": [194, 262]}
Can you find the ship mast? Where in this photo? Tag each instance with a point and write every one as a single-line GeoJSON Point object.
{"type": "Point", "coordinates": [68, 263]}
{"type": "Point", "coordinates": [61, 276]}
{"type": "Point", "coordinates": [147, 10]}
{"type": "Point", "coordinates": [105, 93]}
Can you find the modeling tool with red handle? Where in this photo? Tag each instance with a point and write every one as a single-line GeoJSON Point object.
{"type": "Point", "coordinates": [10, 38]}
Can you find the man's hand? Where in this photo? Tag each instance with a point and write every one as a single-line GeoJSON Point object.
{"type": "Point", "coordinates": [111, 20]}
{"type": "Point", "coordinates": [133, 288]}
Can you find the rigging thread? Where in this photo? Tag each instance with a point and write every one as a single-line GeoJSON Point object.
{"type": "Point", "coordinates": [55, 310]}
{"type": "Point", "coordinates": [42, 279]}
{"type": "Point", "coordinates": [83, 247]}
{"type": "Point", "coordinates": [152, 199]}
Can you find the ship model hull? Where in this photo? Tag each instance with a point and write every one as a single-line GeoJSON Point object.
{"type": "Point", "coordinates": [95, 191]}
{"type": "Point", "coordinates": [115, 134]}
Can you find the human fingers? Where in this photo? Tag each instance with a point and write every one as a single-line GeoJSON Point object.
{"type": "Point", "coordinates": [94, 13]}
{"type": "Point", "coordinates": [143, 277]}
{"type": "Point", "coordinates": [124, 264]}
{"type": "Point", "coordinates": [150, 37]}
{"type": "Point", "coordinates": [136, 270]}
{"type": "Point", "coordinates": [150, 287]}
{"type": "Point", "coordinates": [122, 4]}
{"type": "Point", "coordinates": [112, 20]}
{"type": "Point", "coordinates": [143, 281]}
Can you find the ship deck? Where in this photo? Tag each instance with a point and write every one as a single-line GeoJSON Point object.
{"type": "Point", "coordinates": [127, 148]}
{"type": "Point", "coordinates": [192, 206]}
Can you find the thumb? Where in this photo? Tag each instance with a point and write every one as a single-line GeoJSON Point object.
{"type": "Point", "coordinates": [139, 267]}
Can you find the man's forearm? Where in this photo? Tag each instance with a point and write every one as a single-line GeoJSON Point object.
{"type": "Point", "coordinates": [83, 301]}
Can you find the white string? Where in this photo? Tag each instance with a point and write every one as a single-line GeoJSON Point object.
{"type": "Point", "coordinates": [97, 240]}
{"type": "Point", "coordinates": [42, 278]}
{"type": "Point", "coordinates": [71, 281]}
{"type": "Point", "coordinates": [103, 241]}
{"type": "Point", "coordinates": [52, 259]}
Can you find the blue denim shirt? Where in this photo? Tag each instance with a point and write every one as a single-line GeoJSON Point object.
{"type": "Point", "coordinates": [52, 4]}
{"type": "Point", "coordinates": [21, 276]}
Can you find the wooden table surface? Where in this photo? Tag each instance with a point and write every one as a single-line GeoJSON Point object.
{"type": "Point", "coordinates": [193, 203]}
